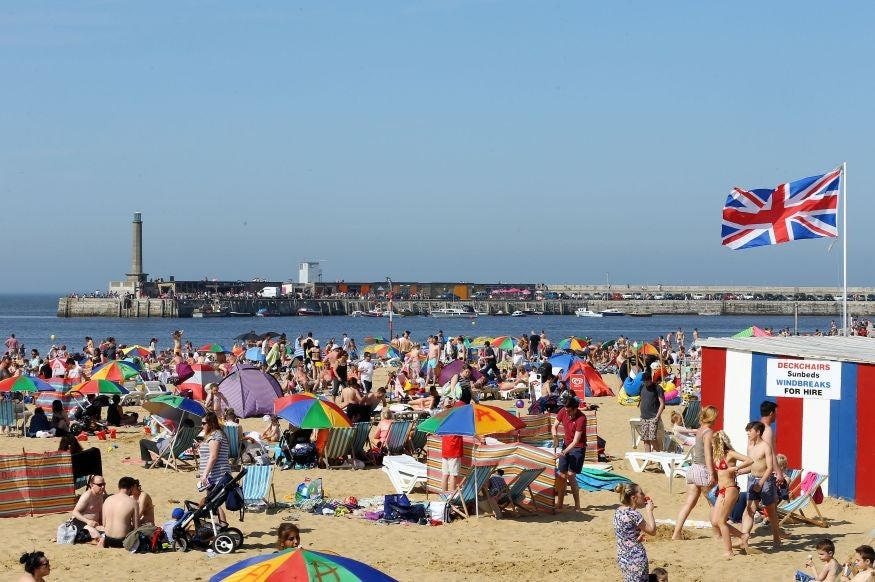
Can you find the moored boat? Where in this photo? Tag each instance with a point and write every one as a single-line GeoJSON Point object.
{"type": "Point", "coordinates": [586, 312]}
{"type": "Point", "coordinates": [451, 312]}
{"type": "Point", "coordinates": [612, 312]}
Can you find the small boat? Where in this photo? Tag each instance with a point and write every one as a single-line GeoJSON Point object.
{"type": "Point", "coordinates": [368, 313]}
{"type": "Point", "coordinates": [709, 313]}
{"type": "Point", "coordinates": [306, 311]}
{"type": "Point", "coordinates": [201, 313]}
{"type": "Point", "coordinates": [518, 313]}
{"type": "Point", "coordinates": [481, 312]}
{"type": "Point", "coordinates": [639, 314]}
{"type": "Point", "coordinates": [265, 312]}
{"type": "Point", "coordinates": [452, 312]}
{"type": "Point", "coordinates": [532, 312]}
{"type": "Point", "coordinates": [586, 312]}
{"type": "Point", "coordinates": [239, 314]}
{"type": "Point", "coordinates": [394, 314]}
{"type": "Point", "coordinates": [612, 312]}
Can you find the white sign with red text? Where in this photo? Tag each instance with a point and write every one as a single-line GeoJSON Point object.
{"type": "Point", "coordinates": [818, 379]}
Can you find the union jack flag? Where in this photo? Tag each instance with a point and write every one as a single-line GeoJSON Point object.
{"type": "Point", "coordinates": [806, 208]}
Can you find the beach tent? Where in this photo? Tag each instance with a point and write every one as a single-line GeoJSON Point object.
{"type": "Point", "coordinates": [250, 392]}
{"type": "Point", "coordinates": [585, 381]}
{"type": "Point", "coordinates": [753, 331]}
{"type": "Point", "coordinates": [203, 375]}
{"type": "Point", "coordinates": [825, 391]}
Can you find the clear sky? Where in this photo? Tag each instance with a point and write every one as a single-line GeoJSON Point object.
{"type": "Point", "coordinates": [461, 140]}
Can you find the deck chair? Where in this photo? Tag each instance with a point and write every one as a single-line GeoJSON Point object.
{"type": "Point", "coordinates": [691, 414]}
{"type": "Point", "coordinates": [172, 453]}
{"type": "Point", "coordinates": [396, 440]}
{"type": "Point", "coordinates": [338, 446]}
{"type": "Point", "coordinates": [153, 388]}
{"type": "Point", "coordinates": [418, 439]}
{"type": "Point", "coordinates": [516, 490]}
{"type": "Point", "coordinates": [671, 463]}
{"type": "Point", "coordinates": [235, 447]}
{"type": "Point", "coordinates": [405, 472]}
{"type": "Point", "coordinates": [258, 487]}
{"type": "Point", "coordinates": [793, 509]}
{"type": "Point", "coordinates": [360, 439]}
{"type": "Point", "coordinates": [9, 417]}
{"type": "Point", "coordinates": [470, 488]}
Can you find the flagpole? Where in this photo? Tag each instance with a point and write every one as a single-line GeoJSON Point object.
{"type": "Point", "coordinates": [845, 247]}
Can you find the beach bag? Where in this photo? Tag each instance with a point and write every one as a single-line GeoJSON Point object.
{"type": "Point", "coordinates": [397, 507]}
{"type": "Point", "coordinates": [184, 371]}
{"type": "Point", "coordinates": [440, 511]}
{"type": "Point", "coordinates": [375, 456]}
{"type": "Point", "coordinates": [146, 539]}
{"type": "Point", "coordinates": [66, 532]}
{"type": "Point", "coordinates": [234, 500]}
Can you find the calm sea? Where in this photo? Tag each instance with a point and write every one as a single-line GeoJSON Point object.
{"type": "Point", "coordinates": [32, 319]}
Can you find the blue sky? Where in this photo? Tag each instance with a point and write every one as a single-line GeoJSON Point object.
{"type": "Point", "coordinates": [425, 140]}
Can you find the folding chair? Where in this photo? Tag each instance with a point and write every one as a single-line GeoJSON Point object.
{"type": "Point", "coordinates": [470, 488]}
{"type": "Point", "coordinates": [171, 455]}
{"type": "Point", "coordinates": [235, 447]}
{"type": "Point", "coordinates": [258, 487]}
{"type": "Point", "coordinates": [338, 446]}
{"type": "Point", "coordinates": [8, 417]}
{"type": "Point", "coordinates": [360, 439]}
{"type": "Point", "coordinates": [405, 472]}
{"type": "Point", "coordinates": [516, 490]}
{"type": "Point", "coordinates": [793, 509]}
{"type": "Point", "coordinates": [418, 439]}
{"type": "Point", "coordinates": [691, 414]}
{"type": "Point", "coordinates": [396, 440]}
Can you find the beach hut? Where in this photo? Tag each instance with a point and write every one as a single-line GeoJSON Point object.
{"type": "Point", "coordinates": [825, 390]}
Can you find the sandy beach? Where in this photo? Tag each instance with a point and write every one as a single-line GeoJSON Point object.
{"type": "Point", "coordinates": [526, 548]}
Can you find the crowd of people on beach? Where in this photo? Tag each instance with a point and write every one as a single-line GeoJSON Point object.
{"type": "Point", "coordinates": [340, 370]}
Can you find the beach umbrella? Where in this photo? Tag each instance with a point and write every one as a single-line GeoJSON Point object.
{"type": "Point", "coordinates": [646, 349]}
{"type": "Point", "coordinates": [383, 350]}
{"type": "Point", "coordinates": [25, 384]}
{"type": "Point", "coordinates": [479, 341]}
{"type": "Point", "coordinates": [115, 371]}
{"type": "Point", "coordinates": [563, 361]}
{"type": "Point", "coordinates": [254, 354]}
{"type": "Point", "coordinates": [375, 339]}
{"type": "Point", "coordinates": [609, 344]}
{"type": "Point", "coordinates": [99, 387]}
{"type": "Point", "coordinates": [203, 375]}
{"type": "Point", "coordinates": [503, 342]}
{"type": "Point", "coordinates": [269, 335]}
{"type": "Point", "coordinates": [299, 564]}
{"type": "Point", "coordinates": [249, 336]}
{"type": "Point", "coordinates": [308, 411]}
{"type": "Point", "coordinates": [453, 368]}
{"type": "Point", "coordinates": [753, 331]}
{"type": "Point", "coordinates": [573, 343]}
{"type": "Point", "coordinates": [137, 351]}
{"type": "Point", "coordinates": [213, 349]}
{"type": "Point", "coordinates": [174, 407]}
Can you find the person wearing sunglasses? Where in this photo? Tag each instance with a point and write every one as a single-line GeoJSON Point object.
{"type": "Point", "coordinates": [36, 567]}
{"type": "Point", "coordinates": [88, 512]}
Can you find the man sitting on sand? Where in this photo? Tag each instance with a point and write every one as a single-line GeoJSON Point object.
{"type": "Point", "coordinates": [145, 506]}
{"type": "Point", "coordinates": [121, 515]}
{"type": "Point", "coordinates": [88, 513]}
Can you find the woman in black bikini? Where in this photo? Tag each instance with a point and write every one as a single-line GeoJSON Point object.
{"type": "Point", "coordinates": [726, 463]}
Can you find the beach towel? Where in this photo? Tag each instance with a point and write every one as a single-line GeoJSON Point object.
{"type": "Point", "coordinates": [806, 485]}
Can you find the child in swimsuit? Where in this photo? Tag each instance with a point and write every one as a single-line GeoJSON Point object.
{"type": "Point", "coordinates": [726, 463]}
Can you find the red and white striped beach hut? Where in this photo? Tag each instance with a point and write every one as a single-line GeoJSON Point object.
{"type": "Point", "coordinates": [825, 391]}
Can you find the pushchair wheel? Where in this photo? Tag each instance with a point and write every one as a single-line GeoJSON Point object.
{"type": "Point", "coordinates": [180, 544]}
{"type": "Point", "coordinates": [224, 543]}
{"type": "Point", "coordinates": [236, 535]}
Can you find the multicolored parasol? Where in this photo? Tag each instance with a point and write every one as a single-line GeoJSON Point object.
{"type": "Point", "coordinates": [472, 420]}
{"type": "Point", "coordinates": [299, 564]}
{"type": "Point", "coordinates": [137, 351]}
{"type": "Point", "coordinates": [115, 371]}
{"type": "Point", "coordinates": [25, 384]}
{"type": "Point", "coordinates": [503, 342]}
{"type": "Point", "coordinates": [213, 349]}
{"type": "Point", "coordinates": [174, 407]}
{"type": "Point", "coordinates": [573, 343]}
{"type": "Point", "coordinates": [383, 351]}
{"type": "Point", "coordinates": [99, 387]}
{"type": "Point", "coordinates": [307, 411]}
{"type": "Point", "coordinates": [753, 331]}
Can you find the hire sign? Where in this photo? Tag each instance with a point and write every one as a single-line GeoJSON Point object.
{"type": "Point", "coordinates": [818, 379]}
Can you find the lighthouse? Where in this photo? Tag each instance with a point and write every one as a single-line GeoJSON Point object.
{"type": "Point", "coordinates": [136, 274]}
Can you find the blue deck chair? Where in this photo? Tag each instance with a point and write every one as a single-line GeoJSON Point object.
{"type": "Point", "coordinates": [8, 416]}
{"type": "Point", "coordinates": [232, 433]}
{"type": "Point", "coordinates": [417, 442]}
{"type": "Point", "coordinates": [258, 489]}
{"type": "Point", "coordinates": [338, 447]}
{"type": "Point", "coordinates": [793, 509]}
{"type": "Point", "coordinates": [360, 439]}
{"type": "Point", "coordinates": [470, 488]}
{"type": "Point", "coordinates": [516, 490]}
{"type": "Point", "coordinates": [691, 414]}
{"type": "Point", "coordinates": [396, 440]}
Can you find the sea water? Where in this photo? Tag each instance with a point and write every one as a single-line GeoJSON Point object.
{"type": "Point", "coordinates": [33, 320]}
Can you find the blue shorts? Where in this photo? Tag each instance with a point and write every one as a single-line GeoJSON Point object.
{"type": "Point", "coordinates": [431, 363]}
{"type": "Point", "coordinates": [767, 495]}
{"type": "Point", "coordinates": [571, 462]}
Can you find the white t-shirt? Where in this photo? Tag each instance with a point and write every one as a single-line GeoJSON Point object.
{"type": "Point", "coordinates": [366, 369]}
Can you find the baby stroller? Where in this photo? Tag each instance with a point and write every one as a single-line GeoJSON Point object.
{"type": "Point", "coordinates": [199, 528]}
{"type": "Point", "coordinates": [295, 451]}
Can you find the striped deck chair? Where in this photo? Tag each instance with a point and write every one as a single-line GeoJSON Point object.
{"type": "Point", "coordinates": [416, 444]}
{"type": "Point", "coordinates": [258, 487]}
{"type": "Point", "coordinates": [8, 417]}
{"type": "Point", "coordinates": [171, 455]}
{"type": "Point", "coordinates": [235, 447]}
{"type": "Point", "coordinates": [691, 414]}
{"type": "Point", "coordinates": [360, 439]}
{"type": "Point", "coordinates": [793, 509]}
{"type": "Point", "coordinates": [592, 437]}
{"type": "Point", "coordinates": [516, 490]}
{"type": "Point", "coordinates": [338, 447]}
{"type": "Point", "coordinates": [470, 488]}
{"type": "Point", "coordinates": [396, 440]}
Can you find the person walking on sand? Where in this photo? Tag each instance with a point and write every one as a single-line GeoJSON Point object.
{"type": "Point", "coordinates": [761, 487]}
{"type": "Point", "coordinates": [571, 454]}
{"type": "Point", "coordinates": [700, 475]}
{"type": "Point", "coordinates": [726, 463]}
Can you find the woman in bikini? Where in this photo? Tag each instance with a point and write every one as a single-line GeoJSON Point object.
{"type": "Point", "coordinates": [728, 463]}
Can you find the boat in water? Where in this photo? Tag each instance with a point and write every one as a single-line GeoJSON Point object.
{"type": "Point", "coordinates": [265, 312]}
{"type": "Point", "coordinates": [518, 313]}
{"type": "Point", "coordinates": [453, 312]}
{"type": "Point", "coordinates": [639, 314]}
{"type": "Point", "coordinates": [368, 313]}
{"type": "Point", "coordinates": [307, 311]}
{"type": "Point", "coordinates": [586, 312]}
{"type": "Point", "coordinates": [611, 312]}
{"type": "Point", "coordinates": [200, 313]}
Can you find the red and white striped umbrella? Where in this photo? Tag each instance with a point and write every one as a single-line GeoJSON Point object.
{"type": "Point", "coordinates": [203, 375]}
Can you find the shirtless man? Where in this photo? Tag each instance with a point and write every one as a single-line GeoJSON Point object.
{"type": "Point", "coordinates": [89, 509]}
{"type": "Point", "coordinates": [404, 344]}
{"type": "Point", "coordinates": [120, 514]}
{"type": "Point", "coordinates": [372, 399]}
{"type": "Point", "coordinates": [768, 411]}
{"type": "Point", "coordinates": [761, 486]}
{"type": "Point", "coordinates": [145, 507]}
{"type": "Point", "coordinates": [434, 354]}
